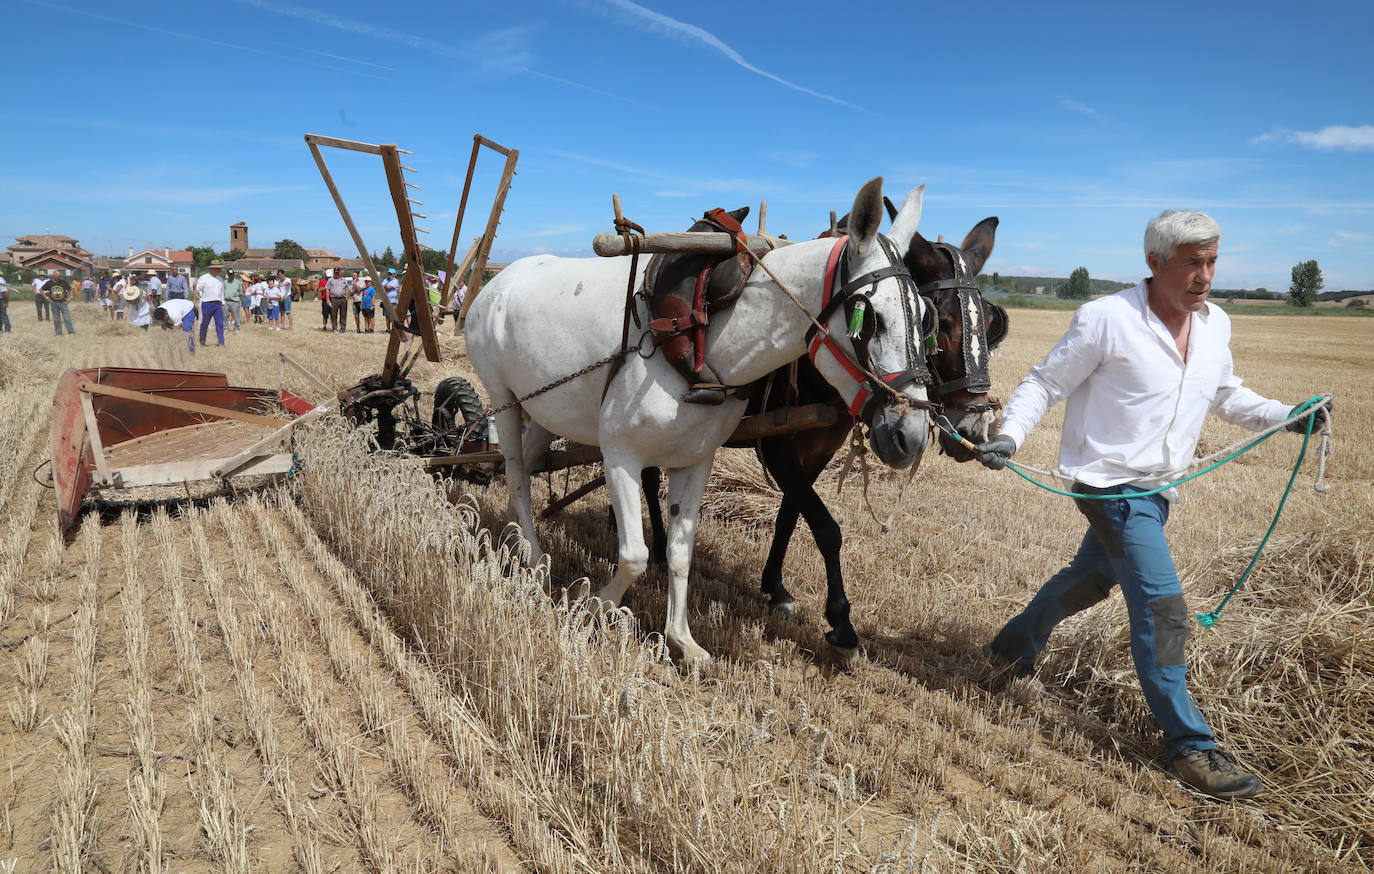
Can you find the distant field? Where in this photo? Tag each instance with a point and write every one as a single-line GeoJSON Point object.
{"type": "Point", "coordinates": [353, 672]}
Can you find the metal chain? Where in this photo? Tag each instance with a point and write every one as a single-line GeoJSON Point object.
{"type": "Point", "coordinates": [491, 411]}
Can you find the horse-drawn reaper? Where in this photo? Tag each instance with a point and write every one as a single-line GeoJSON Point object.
{"type": "Point", "coordinates": [544, 319]}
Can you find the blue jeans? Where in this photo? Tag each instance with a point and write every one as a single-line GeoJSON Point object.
{"type": "Point", "coordinates": [212, 309]}
{"type": "Point", "coordinates": [60, 313]}
{"type": "Point", "coordinates": [188, 324]}
{"type": "Point", "coordinates": [1124, 546]}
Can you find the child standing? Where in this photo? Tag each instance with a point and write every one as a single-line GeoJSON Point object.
{"type": "Point", "coordinates": [273, 305]}
{"type": "Point", "coordinates": [368, 304]}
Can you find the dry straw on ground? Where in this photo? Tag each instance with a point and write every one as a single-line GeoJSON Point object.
{"type": "Point", "coordinates": [358, 672]}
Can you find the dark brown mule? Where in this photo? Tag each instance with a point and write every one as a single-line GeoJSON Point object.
{"type": "Point", "coordinates": [796, 460]}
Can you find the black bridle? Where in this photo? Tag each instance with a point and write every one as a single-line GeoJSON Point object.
{"type": "Point", "coordinates": [975, 350]}
{"type": "Point", "coordinates": [855, 295]}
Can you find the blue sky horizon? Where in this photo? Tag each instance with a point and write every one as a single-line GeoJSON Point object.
{"type": "Point", "coordinates": [148, 123]}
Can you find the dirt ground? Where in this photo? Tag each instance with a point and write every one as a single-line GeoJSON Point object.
{"type": "Point", "coordinates": [195, 686]}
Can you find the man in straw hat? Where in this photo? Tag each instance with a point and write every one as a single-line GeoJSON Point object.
{"type": "Point", "coordinates": [139, 305]}
{"type": "Point", "coordinates": [210, 296]}
{"type": "Point", "coordinates": [1139, 371]}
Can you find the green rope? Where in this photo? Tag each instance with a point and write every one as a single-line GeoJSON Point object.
{"type": "Point", "coordinates": [1207, 620]}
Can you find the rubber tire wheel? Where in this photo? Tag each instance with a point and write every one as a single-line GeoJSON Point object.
{"type": "Point", "coordinates": [455, 395]}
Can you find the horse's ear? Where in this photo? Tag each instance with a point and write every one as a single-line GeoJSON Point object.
{"type": "Point", "coordinates": [977, 245]}
{"type": "Point", "coordinates": [867, 214]}
{"type": "Point", "coordinates": [890, 207]}
{"type": "Point", "coordinates": [923, 260]}
{"type": "Point", "coordinates": [843, 223]}
{"type": "Point", "coordinates": [908, 218]}
{"type": "Point", "coordinates": [740, 214]}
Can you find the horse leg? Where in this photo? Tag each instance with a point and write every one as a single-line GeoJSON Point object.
{"type": "Point", "coordinates": [622, 480]}
{"type": "Point", "coordinates": [781, 463]}
{"type": "Point", "coordinates": [651, 479]}
{"type": "Point", "coordinates": [685, 488]}
{"type": "Point", "coordinates": [535, 441]}
{"type": "Point", "coordinates": [508, 425]}
{"type": "Point", "coordinates": [797, 482]}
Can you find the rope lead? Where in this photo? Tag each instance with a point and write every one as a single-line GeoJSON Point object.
{"type": "Point", "coordinates": [1206, 620]}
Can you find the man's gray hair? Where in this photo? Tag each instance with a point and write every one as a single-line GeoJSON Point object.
{"type": "Point", "coordinates": [1179, 227]}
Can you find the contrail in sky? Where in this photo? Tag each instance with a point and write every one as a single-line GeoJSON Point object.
{"type": "Point", "coordinates": [691, 33]}
{"type": "Point", "coordinates": [191, 36]}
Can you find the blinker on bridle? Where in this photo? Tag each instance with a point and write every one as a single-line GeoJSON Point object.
{"type": "Point", "coordinates": [973, 319]}
{"type": "Point", "coordinates": [855, 294]}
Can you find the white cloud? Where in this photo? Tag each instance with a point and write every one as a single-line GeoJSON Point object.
{"type": "Point", "coordinates": [681, 30]}
{"type": "Point", "coordinates": [1329, 139]}
{"type": "Point", "coordinates": [1081, 108]}
{"type": "Point", "coordinates": [794, 157]}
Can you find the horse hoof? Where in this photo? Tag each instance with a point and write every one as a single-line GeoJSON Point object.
{"type": "Point", "coordinates": [692, 654]}
{"type": "Point", "coordinates": [787, 609]}
{"type": "Point", "coordinates": [845, 657]}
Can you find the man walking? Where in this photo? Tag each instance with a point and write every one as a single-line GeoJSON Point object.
{"type": "Point", "coordinates": [177, 286]}
{"type": "Point", "coordinates": [88, 289]}
{"type": "Point", "coordinates": [1139, 371]}
{"type": "Point", "coordinates": [40, 302]}
{"type": "Point", "coordinates": [210, 295]}
{"type": "Point", "coordinates": [5, 305]}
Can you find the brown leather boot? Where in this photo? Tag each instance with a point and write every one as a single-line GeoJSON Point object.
{"type": "Point", "coordinates": [1215, 773]}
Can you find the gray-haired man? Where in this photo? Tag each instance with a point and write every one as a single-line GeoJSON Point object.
{"type": "Point", "coordinates": [1139, 371]}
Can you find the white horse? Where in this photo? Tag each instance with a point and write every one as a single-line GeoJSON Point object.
{"type": "Point", "coordinates": [544, 318]}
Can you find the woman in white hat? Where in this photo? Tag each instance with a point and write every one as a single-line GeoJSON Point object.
{"type": "Point", "coordinates": [140, 313]}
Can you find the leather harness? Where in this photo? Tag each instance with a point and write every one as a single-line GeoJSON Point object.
{"type": "Point", "coordinates": [853, 291]}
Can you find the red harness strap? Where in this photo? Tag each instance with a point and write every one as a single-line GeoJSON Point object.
{"type": "Point", "coordinates": [825, 341]}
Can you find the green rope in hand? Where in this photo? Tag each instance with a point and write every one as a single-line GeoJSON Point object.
{"type": "Point", "coordinates": [1207, 620]}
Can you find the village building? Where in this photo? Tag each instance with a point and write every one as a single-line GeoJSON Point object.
{"type": "Point", "coordinates": [51, 254]}
{"type": "Point", "coordinates": [161, 260]}
{"type": "Point", "coordinates": [257, 260]}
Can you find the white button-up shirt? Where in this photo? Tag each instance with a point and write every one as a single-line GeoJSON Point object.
{"type": "Point", "coordinates": [1134, 409]}
{"type": "Point", "coordinates": [209, 288]}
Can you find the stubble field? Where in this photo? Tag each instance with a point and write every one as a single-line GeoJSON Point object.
{"type": "Point", "coordinates": [353, 671]}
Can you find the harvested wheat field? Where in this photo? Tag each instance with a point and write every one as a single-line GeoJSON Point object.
{"type": "Point", "coordinates": [352, 671]}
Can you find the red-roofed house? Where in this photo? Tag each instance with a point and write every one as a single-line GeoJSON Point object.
{"type": "Point", "coordinates": [160, 259]}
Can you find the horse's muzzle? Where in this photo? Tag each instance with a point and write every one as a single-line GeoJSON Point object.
{"type": "Point", "coordinates": [898, 440]}
{"type": "Point", "coordinates": [973, 426]}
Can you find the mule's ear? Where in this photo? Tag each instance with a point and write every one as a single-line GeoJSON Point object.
{"type": "Point", "coordinates": [924, 261]}
{"type": "Point", "coordinates": [740, 214]}
{"type": "Point", "coordinates": [908, 218]}
{"type": "Point", "coordinates": [867, 214]}
{"type": "Point", "coordinates": [977, 245]}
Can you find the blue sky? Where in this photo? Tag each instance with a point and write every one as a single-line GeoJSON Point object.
{"type": "Point", "coordinates": [157, 123]}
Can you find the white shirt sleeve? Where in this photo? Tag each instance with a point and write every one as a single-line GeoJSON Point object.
{"type": "Point", "coordinates": [1240, 406]}
{"type": "Point", "coordinates": [1072, 360]}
